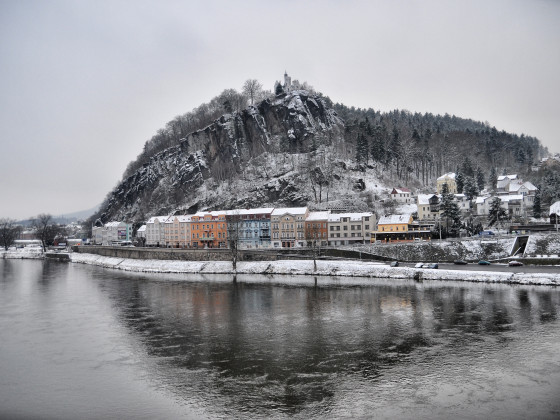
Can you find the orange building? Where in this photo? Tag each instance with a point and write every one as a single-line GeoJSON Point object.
{"type": "Point", "coordinates": [209, 229]}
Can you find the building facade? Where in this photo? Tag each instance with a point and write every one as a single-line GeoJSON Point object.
{"type": "Point", "coordinates": [251, 227]}
{"type": "Point", "coordinates": [155, 232]}
{"type": "Point", "coordinates": [288, 227]}
{"type": "Point", "coordinates": [316, 228]}
{"type": "Point", "coordinates": [209, 229]}
{"type": "Point", "coordinates": [449, 179]}
{"type": "Point", "coordinates": [350, 228]}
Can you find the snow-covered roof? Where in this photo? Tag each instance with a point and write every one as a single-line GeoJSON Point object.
{"type": "Point", "coordinates": [511, 197]}
{"type": "Point", "coordinates": [248, 212]}
{"type": "Point", "coordinates": [180, 219]}
{"type": "Point", "coordinates": [447, 175]}
{"type": "Point", "coordinates": [318, 215]}
{"type": "Point", "coordinates": [289, 210]}
{"type": "Point", "coordinates": [160, 219]}
{"type": "Point", "coordinates": [424, 199]}
{"type": "Point", "coordinates": [400, 190]}
{"type": "Point", "coordinates": [142, 228]}
{"type": "Point", "coordinates": [554, 208]}
{"type": "Point", "coordinates": [530, 186]}
{"type": "Point", "coordinates": [394, 219]}
{"type": "Point", "coordinates": [482, 199]}
{"type": "Point", "coordinates": [113, 224]}
{"type": "Point", "coordinates": [503, 177]}
{"type": "Point", "coordinates": [352, 216]}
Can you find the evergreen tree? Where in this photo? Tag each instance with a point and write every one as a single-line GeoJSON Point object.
{"type": "Point", "coordinates": [460, 181]}
{"type": "Point", "coordinates": [479, 179]}
{"type": "Point", "coordinates": [450, 212]}
{"type": "Point", "coordinates": [467, 168]}
{"type": "Point", "coordinates": [378, 144]}
{"type": "Point", "coordinates": [537, 208]}
{"type": "Point", "coordinates": [493, 179]}
{"type": "Point", "coordinates": [362, 149]}
{"type": "Point", "coordinates": [470, 189]}
{"type": "Point", "coordinates": [496, 213]}
{"type": "Point", "coordinates": [278, 88]}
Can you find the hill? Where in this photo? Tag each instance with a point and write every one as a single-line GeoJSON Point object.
{"type": "Point", "coordinates": [298, 148]}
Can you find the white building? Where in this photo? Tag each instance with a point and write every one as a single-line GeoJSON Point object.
{"type": "Point", "coordinates": [112, 233]}
{"type": "Point", "coordinates": [155, 233]}
{"type": "Point", "coordinates": [401, 195]}
{"type": "Point", "coordinates": [350, 228]}
{"type": "Point", "coordinates": [177, 232]}
{"type": "Point", "coordinates": [141, 232]}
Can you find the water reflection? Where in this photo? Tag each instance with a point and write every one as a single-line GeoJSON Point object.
{"type": "Point", "coordinates": [263, 349]}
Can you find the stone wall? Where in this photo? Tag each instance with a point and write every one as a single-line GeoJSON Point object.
{"type": "Point", "coordinates": [175, 254]}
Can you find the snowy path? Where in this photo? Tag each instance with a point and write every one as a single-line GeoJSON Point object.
{"type": "Point", "coordinates": [325, 268]}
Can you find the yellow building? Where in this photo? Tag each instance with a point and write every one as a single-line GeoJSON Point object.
{"type": "Point", "coordinates": [400, 228]}
{"type": "Point", "coordinates": [449, 179]}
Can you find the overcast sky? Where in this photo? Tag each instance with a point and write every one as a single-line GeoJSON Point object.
{"type": "Point", "coordinates": [84, 84]}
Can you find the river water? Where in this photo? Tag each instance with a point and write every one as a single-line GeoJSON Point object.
{"type": "Point", "coordinates": [85, 342]}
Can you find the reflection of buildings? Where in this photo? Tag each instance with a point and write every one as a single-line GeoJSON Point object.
{"type": "Point", "coordinates": [267, 349]}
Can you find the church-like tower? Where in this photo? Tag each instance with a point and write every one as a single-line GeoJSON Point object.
{"type": "Point", "coordinates": [287, 82]}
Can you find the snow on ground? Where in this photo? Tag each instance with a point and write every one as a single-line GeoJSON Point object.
{"type": "Point", "coordinates": [21, 253]}
{"type": "Point", "coordinates": [324, 268]}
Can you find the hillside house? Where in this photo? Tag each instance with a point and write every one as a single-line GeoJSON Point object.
{"type": "Point", "coordinates": [449, 179]}
{"type": "Point", "coordinates": [401, 195]}
{"type": "Point", "coordinates": [554, 213]}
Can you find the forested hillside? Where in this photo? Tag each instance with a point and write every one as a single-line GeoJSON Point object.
{"type": "Point", "coordinates": [295, 147]}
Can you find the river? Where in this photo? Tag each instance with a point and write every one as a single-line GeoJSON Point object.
{"type": "Point", "coordinates": [85, 342]}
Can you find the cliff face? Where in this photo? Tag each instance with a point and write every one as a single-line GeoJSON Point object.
{"type": "Point", "coordinates": [240, 159]}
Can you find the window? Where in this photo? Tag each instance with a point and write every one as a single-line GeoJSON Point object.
{"type": "Point", "coordinates": [332, 228]}
{"type": "Point", "coordinates": [345, 227]}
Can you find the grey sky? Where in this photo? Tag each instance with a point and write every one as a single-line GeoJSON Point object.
{"type": "Point", "coordinates": [83, 84]}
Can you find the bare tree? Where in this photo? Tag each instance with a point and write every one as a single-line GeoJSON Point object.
{"type": "Point", "coordinates": [46, 229]}
{"type": "Point", "coordinates": [313, 239]}
{"type": "Point", "coordinates": [252, 89]}
{"type": "Point", "coordinates": [233, 232]}
{"type": "Point", "coordinates": [9, 231]}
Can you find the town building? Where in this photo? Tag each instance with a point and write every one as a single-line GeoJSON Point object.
{"type": "Point", "coordinates": [554, 213]}
{"type": "Point", "coordinates": [400, 228]}
{"type": "Point", "coordinates": [449, 179]}
{"type": "Point", "coordinates": [112, 233]}
{"type": "Point", "coordinates": [141, 233]}
{"type": "Point", "coordinates": [155, 233]}
{"type": "Point", "coordinates": [428, 207]}
{"type": "Point", "coordinates": [316, 227]}
{"type": "Point", "coordinates": [209, 229]}
{"type": "Point", "coordinates": [350, 228]}
{"type": "Point", "coordinates": [288, 227]}
{"type": "Point", "coordinates": [177, 232]}
{"type": "Point", "coordinates": [401, 195]}
{"type": "Point", "coordinates": [251, 227]}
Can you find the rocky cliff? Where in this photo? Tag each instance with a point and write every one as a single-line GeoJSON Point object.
{"type": "Point", "coordinates": [250, 158]}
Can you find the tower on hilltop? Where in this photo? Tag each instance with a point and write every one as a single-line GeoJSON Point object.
{"type": "Point", "coordinates": [287, 82]}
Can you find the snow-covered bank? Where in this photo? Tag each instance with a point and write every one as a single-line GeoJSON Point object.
{"type": "Point", "coordinates": [324, 268]}
{"type": "Point", "coordinates": [34, 253]}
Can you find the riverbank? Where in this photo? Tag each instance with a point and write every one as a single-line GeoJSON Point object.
{"type": "Point", "coordinates": [343, 268]}
{"type": "Point", "coordinates": [33, 253]}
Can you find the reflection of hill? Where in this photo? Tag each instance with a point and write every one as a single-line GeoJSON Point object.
{"type": "Point", "coordinates": [258, 349]}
